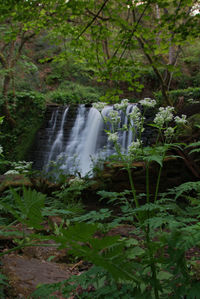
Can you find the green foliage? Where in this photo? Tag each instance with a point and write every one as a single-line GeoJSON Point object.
{"type": "Point", "coordinates": [123, 266]}
{"type": "Point", "coordinates": [186, 188]}
{"type": "Point", "coordinates": [187, 94]}
{"type": "Point", "coordinates": [28, 100]}
{"type": "Point", "coordinates": [151, 263]}
{"type": "Point", "coordinates": [74, 93]}
{"type": "Point", "coordinates": [106, 253]}
{"type": "Point", "coordinates": [67, 69]}
{"type": "Point", "coordinates": [27, 108]}
{"type": "Point", "coordinates": [94, 283]}
{"type": "Point", "coordinates": [28, 207]}
{"type": "Point", "coordinates": [94, 216]}
{"type": "Point", "coordinates": [196, 148]}
{"type": "Point", "coordinates": [72, 192]}
{"type": "Point", "coordinates": [152, 260]}
{"type": "Point", "coordinates": [3, 284]}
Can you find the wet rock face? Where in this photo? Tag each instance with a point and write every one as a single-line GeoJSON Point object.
{"type": "Point", "coordinates": [174, 173]}
{"type": "Point", "coordinates": [25, 274]}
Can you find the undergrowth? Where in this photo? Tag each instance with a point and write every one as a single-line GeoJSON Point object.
{"type": "Point", "coordinates": [150, 261]}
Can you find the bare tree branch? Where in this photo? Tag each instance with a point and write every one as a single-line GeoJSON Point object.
{"type": "Point", "coordinates": [3, 60]}
{"type": "Point", "coordinates": [99, 17]}
{"type": "Point", "coordinates": [94, 18]}
{"type": "Point", "coordinates": [131, 35]}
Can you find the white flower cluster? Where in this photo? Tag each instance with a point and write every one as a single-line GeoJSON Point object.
{"type": "Point", "coordinates": [114, 117]}
{"type": "Point", "coordinates": [99, 106]}
{"type": "Point", "coordinates": [147, 102]}
{"type": "Point", "coordinates": [12, 171]}
{"type": "Point", "coordinates": [134, 147]}
{"type": "Point", "coordinates": [180, 120]}
{"type": "Point", "coordinates": [76, 181]}
{"type": "Point", "coordinates": [164, 115]}
{"type": "Point", "coordinates": [169, 132]}
{"type": "Point", "coordinates": [136, 118]}
{"type": "Point", "coordinates": [20, 167]}
{"type": "Point", "coordinates": [1, 149]}
{"type": "Point", "coordinates": [112, 137]}
{"type": "Point", "coordinates": [122, 106]}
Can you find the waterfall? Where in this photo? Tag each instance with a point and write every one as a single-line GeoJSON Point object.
{"type": "Point", "coordinates": [50, 130]}
{"type": "Point", "coordinates": [57, 145]}
{"type": "Point", "coordinates": [85, 140]}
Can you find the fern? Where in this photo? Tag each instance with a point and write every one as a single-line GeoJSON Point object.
{"type": "Point", "coordinates": [3, 284]}
{"type": "Point", "coordinates": [186, 187]}
{"type": "Point", "coordinates": [194, 144]}
{"type": "Point", "coordinates": [106, 252]}
{"type": "Point", "coordinates": [28, 207]}
{"type": "Point", "coordinates": [94, 216]}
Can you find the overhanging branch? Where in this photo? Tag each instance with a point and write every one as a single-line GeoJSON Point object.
{"type": "Point", "coordinates": [94, 18]}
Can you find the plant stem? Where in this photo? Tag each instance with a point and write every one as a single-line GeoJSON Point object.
{"type": "Point", "coordinates": [132, 186]}
{"type": "Point", "coordinates": [10, 224]}
{"type": "Point", "coordinates": [152, 264]}
{"type": "Point", "coordinates": [158, 183]}
{"type": "Point", "coordinates": [147, 183]}
{"type": "Point", "coordinates": [127, 165]}
{"type": "Point", "coordinates": [154, 276]}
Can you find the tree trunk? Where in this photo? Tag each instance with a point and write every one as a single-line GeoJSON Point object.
{"type": "Point", "coordinates": [6, 109]}
{"type": "Point", "coordinates": [164, 90]}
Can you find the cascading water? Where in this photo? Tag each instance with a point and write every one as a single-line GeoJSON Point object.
{"type": "Point", "coordinates": [87, 139]}
{"type": "Point", "coordinates": [57, 145]}
{"type": "Point", "coordinates": [83, 140]}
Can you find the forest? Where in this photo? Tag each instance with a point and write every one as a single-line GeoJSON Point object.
{"type": "Point", "coordinates": [99, 149]}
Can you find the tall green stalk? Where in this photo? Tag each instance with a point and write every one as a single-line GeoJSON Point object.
{"type": "Point", "coordinates": [158, 183]}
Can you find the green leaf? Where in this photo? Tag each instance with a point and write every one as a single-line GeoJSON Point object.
{"type": "Point", "coordinates": [106, 252]}
{"type": "Point", "coordinates": [30, 207]}
{"type": "Point", "coordinates": [135, 252]}
{"type": "Point", "coordinates": [163, 275]}
{"type": "Point", "coordinates": [155, 158]}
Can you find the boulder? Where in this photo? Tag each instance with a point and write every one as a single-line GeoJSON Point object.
{"type": "Point", "coordinates": [25, 274]}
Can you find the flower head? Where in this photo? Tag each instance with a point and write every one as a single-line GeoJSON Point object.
{"type": "Point", "coordinates": [99, 106]}
{"type": "Point", "coordinates": [163, 116]}
{"type": "Point", "coordinates": [136, 118]}
{"type": "Point", "coordinates": [12, 171]}
{"type": "Point", "coordinates": [76, 181]}
{"type": "Point", "coordinates": [122, 106]}
{"type": "Point", "coordinates": [169, 132]}
{"type": "Point", "coordinates": [135, 115]}
{"type": "Point", "coordinates": [147, 102]}
{"type": "Point", "coordinates": [114, 116]}
{"type": "Point", "coordinates": [1, 149]}
{"type": "Point", "coordinates": [180, 120]}
{"type": "Point", "coordinates": [134, 147]}
{"type": "Point", "coordinates": [112, 137]}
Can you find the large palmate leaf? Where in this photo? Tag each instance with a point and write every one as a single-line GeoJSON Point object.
{"type": "Point", "coordinates": [28, 207]}
{"type": "Point", "coordinates": [107, 252]}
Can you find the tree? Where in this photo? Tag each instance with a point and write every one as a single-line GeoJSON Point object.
{"type": "Point", "coordinates": [112, 33]}
{"type": "Point", "coordinates": [22, 20]}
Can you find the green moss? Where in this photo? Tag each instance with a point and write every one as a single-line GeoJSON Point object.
{"type": "Point", "coordinates": [27, 108]}
{"type": "Point", "coordinates": [26, 140]}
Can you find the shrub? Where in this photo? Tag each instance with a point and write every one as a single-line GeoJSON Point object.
{"type": "Point", "coordinates": [72, 93]}
{"type": "Point", "coordinates": [189, 93]}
